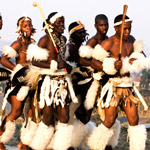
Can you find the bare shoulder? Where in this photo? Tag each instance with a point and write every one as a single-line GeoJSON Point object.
{"type": "Point", "coordinates": [107, 44]}
{"type": "Point", "coordinates": [92, 42]}
{"type": "Point", "coordinates": [43, 41]}
{"type": "Point", "coordinates": [16, 45]}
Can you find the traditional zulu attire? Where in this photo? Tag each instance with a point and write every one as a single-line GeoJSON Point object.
{"type": "Point", "coordinates": [19, 89]}
{"type": "Point", "coordinates": [119, 89]}
{"type": "Point", "coordinates": [52, 87]}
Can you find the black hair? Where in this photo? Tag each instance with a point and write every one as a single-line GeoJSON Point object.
{"type": "Point", "coordinates": [49, 17]}
{"type": "Point", "coordinates": [72, 25]}
{"type": "Point", "coordinates": [100, 17]}
{"type": "Point", "coordinates": [119, 18]}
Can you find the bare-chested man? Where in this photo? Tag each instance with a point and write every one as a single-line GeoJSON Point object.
{"type": "Point", "coordinates": [17, 93]}
{"type": "Point", "coordinates": [53, 87]}
{"type": "Point", "coordinates": [119, 90]}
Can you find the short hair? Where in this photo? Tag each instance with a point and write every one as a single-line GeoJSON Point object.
{"type": "Point", "coordinates": [119, 18]}
{"type": "Point", "coordinates": [100, 17]}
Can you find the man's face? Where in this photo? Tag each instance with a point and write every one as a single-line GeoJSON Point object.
{"type": "Point", "coordinates": [27, 28]}
{"type": "Point", "coordinates": [59, 25]}
{"type": "Point", "coordinates": [102, 26]}
{"type": "Point", "coordinates": [1, 22]}
{"type": "Point", "coordinates": [126, 30]}
{"type": "Point", "coordinates": [79, 35]}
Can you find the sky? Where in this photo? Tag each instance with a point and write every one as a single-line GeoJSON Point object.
{"type": "Point", "coordinates": [74, 10]}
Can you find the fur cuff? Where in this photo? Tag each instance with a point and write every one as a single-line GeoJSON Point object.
{"type": "Point", "coordinates": [53, 65]}
{"type": "Point", "coordinates": [100, 137]}
{"type": "Point", "coordinates": [39, 54]}
{"type": "Point", "coordinates": [109, 66]}
{"type": "Point", "coordinates": [9, 132]}
{"type": "Point", "coordinates": [63, 143]}
{"type": "Point", "coordinates": [99, 53]}
{"type": "Point", "coordinates": [137, 136]}
{"type": "Point", "coordinates": [85, 51]}
{"type": "Point", "coordinates": [125, 66]}
{"type": "Point", "coordinates": [9, 52]}
{"type": "Point", "coordinates": [43, 136]}
{"type": "Point", "coordinates": [138, 46]}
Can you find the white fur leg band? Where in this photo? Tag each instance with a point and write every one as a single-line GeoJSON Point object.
{"type": "Point", "coordinates": [109, 66]}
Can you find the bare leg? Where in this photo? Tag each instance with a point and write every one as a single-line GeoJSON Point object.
{"type": "Point", "coordinates": [110, 116]}
{"type": "Point", "coordinates": [131, 111]}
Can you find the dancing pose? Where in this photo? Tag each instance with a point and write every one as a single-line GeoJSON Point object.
{"type": "Point", "coordinates": [53, 87]}
{"type": "Point", "coordinates": [18, 92]}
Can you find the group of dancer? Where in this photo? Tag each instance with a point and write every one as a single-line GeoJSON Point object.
{"type": "Point", "coordinates": [56, 85]}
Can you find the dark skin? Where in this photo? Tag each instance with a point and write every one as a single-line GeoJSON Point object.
{"type": "Point", "coordinates": [46, 42]}
{"type": "Point", "coordinates": [17, 106]}
{"type": "Point", "coordinates": [112, 46]}
{"type": "Point", "coordinates": [101, 27]}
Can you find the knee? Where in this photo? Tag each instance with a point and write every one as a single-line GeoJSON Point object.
{"type": "Point", "coordinates": [133, 120]}
{"type": "Point", "coordinates": [109, 121]}
{"type": "Point", "coordinates": [64, 119]}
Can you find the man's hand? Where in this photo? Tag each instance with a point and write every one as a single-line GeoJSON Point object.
{"type": "Point", "coordinates": [118, 64]}
{"type": "Point", "coordinates": [131, 60]}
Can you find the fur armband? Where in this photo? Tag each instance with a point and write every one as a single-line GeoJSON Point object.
{"type": "Point", "coordinates": [109, 66]}
{"type": "Point", "coordinates": [138, 46]}
{"type": "Point", "coordinates": [9, 52]}
{"type": "Point", "coordinates": [99, 53]}
{"type": "Point", "coordinates": [137, 55]}
{"type": "Point", "coordinates": [39, 54]}
{"type": "Point", "coordinates": [53, 65]}
{"type": "Point", "coordinates": [85, 51]}
{"type": "Point", "coordinates": [125, 66]}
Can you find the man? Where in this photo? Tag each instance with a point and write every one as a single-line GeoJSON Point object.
{"type": "Point", "coordinates": [119, 90]}
{"type": "Point", "coordinates": [52, 86]}
{"type": "Point", "coordinates": [79, 75]}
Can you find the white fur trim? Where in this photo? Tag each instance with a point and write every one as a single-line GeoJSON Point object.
{"type": "Point", "coordinates": [109, 66]}
{"type": "Point", "coordinates": [22, 93]}
{"type": "Point", "coordinates": [9, 132]}
{"type": "Point", "coordinates": [71, 90]}
{"type": "Point", "coordinates": [57, 15]}
{"type": "Point", "coordinates": [85, 51]}
{"type": "Point", "coordinates": [53, 65]}
{"type": "Point", "coordinates": [138, 46]}
{"type": "Point", "coordinates": [100, 137]}
{"type": "Point", "coordinates": [125, 66]}
{"type": "Point", "coordinates": [9, 52]}
{"type": "Point", "coordinates": [137, 55]}
{"type": "Point", "coordinates": [90, 126]}
{"type": "Point", "coordinates": [137, 136]}
{"type": "Point", "coordinates": [79, 133]}
{"type": "Point", "coordinates": [72, 64]}
{"type": "Point", "coordinates": [38, 53]}
{"type": "Point", "coordinates": [91, 95]}
{"type": "Point", "coordinates": [28, 133]}
{"type": "Point", "coordinates": [99, 53]}
{"type": "Point", "coordinates": [63, 136]}
{"type": "Point", "coordinates": [43, 136]}
{"type": "Point", "coordinates": [116, 129]}
{"type": "Point", "coordinates": [16, 69]}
